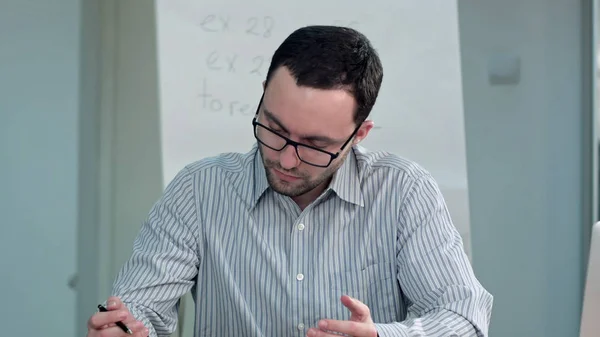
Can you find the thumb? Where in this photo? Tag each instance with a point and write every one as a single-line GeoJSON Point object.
{"type": "Point", "coordinates": [359, 311]}
{"type": "Point", "coordinates": [114, 303]}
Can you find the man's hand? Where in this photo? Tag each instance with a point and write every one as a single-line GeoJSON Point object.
{"type": "Point", "coordinates": [102, 324]}
{"type": "Point", "coordinates": [359, 325]}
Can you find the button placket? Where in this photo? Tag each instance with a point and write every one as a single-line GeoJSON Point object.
{"type": "Point", "coordinates": [298, 263]}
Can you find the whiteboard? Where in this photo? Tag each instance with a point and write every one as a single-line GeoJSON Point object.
{"type": "Point", "coordinates": [214, 54]}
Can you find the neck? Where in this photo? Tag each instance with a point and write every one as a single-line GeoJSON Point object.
{"type": "Point", "coordinates": [307, 198]}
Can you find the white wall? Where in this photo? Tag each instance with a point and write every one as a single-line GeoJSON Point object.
{"type": "Point", "coordinates": [525, 155]}
{"type": "Point", "coordinates": [39, 61]}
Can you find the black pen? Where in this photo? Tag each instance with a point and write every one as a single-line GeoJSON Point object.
{"type": "Point", "coordinates": [119, 324]}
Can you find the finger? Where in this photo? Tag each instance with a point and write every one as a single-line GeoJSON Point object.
{"type": "Point", "coordinates": [359, 310]}
{"type": "Point", "coordinates": [113, 331]}
{"type": "Point", "coordinates": [129, 319]}
{"type": "Point", "coordinates": [138, 329]}
{"type": "Point", "coordinates": [100, 319]}
{"type": "Point", "coordinates": [312, 332]}
{"type": "Point", "coordinates": [143, 333]}
{"type": "Point", "coordinates": [114, 303]}
{"type": "Point", "coordinates": [348, 327]}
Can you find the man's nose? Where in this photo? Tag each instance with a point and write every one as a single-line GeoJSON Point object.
{"type": "Point", "coordinates": [288, 158]}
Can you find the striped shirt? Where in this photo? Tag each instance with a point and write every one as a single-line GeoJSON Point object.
{"type": "Point", "coordinates": [258, 265]}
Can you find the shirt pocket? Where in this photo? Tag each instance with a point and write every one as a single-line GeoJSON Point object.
{"type": "Point", "coordinates": [359, 280]}
{"type": "Point", "coordinates": [376, 286]}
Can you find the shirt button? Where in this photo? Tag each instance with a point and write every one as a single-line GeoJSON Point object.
{"type": "Point", "coordinates": [300, 277]}
{"type": "Point", "coordinates": [300, 226]}
{"type": "Point", "coordinates": [300, 326]}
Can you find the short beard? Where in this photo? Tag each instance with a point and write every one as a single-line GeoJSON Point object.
{"type": "Point", "coordinates": [306, 184]}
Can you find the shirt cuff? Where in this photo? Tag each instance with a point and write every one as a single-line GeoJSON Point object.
{"type": "Point", "coordinates": [139, 315]}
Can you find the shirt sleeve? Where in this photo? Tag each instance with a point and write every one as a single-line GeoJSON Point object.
{"type": "Point", "coordinates": [436, 277]}
{"type": "Point", "coordinates": [165, 258]}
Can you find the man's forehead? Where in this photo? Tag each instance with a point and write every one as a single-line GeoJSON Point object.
{"type": "Point", "coordinates": [307, 119]}
{"type": "Point", "coordinates": [308, 104]}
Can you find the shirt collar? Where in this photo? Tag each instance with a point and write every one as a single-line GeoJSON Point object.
{"type": "Point", "coordinates": [260, 177]}
{"type": "Point", "coordinates": [345, 183]}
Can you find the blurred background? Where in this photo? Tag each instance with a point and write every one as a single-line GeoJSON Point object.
{"type": "Point", "coordinates": [82, 159]}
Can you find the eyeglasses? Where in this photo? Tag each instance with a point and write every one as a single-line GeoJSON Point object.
{"type": "Point", "coordinates": [306, 153]}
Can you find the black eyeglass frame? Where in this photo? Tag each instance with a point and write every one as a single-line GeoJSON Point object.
{"type": "Point", "coordinates": [295, 144]}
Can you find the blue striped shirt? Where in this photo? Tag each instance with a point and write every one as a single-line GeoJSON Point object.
{"type": "Point", "coordinates": [258, 265]}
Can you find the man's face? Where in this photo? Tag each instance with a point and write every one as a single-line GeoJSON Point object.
{"type": "Point", "coordinates": [319, 118]}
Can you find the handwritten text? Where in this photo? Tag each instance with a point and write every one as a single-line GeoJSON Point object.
{"type": "Point", "coordinates": [256, 25]}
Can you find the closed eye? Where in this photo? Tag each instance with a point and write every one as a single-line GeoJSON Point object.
{"type": "Point", "coordinates": [319, 146]}
{"type": "Point", "coordinates": [278, 130]}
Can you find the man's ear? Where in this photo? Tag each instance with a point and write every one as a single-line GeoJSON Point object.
{"type": "Point", "coordinates": [363, 131]}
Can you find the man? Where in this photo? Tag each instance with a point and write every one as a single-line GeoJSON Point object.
{"type": "Point", "coordinates": [308, 234]}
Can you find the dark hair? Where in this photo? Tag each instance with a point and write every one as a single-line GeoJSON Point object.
{"type": "Point", "coordinates": [331, 57]}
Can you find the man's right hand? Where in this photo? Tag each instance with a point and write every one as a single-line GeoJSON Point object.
{"type": "Point", "coordinates": [102, 324]}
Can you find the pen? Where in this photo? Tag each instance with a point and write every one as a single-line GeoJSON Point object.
{"type": "Point", "coordinates": [119, 324]}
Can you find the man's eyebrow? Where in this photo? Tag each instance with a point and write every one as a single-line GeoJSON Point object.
{"type": "Point", "coordinates": [311, 138]}
{"type": "Point", "coordinates": [324, 139]}
{"type": "Point", "coordinates": [271, 117]}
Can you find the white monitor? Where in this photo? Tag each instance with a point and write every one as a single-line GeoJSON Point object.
{"type": "Point", "coordinates": [590, 316]}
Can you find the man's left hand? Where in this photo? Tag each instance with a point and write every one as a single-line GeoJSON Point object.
{"type": "Point", "coordinates": [360, 323]}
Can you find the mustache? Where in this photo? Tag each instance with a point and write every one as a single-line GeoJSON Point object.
{"type": "Point", "coordinates": [293, 172]}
